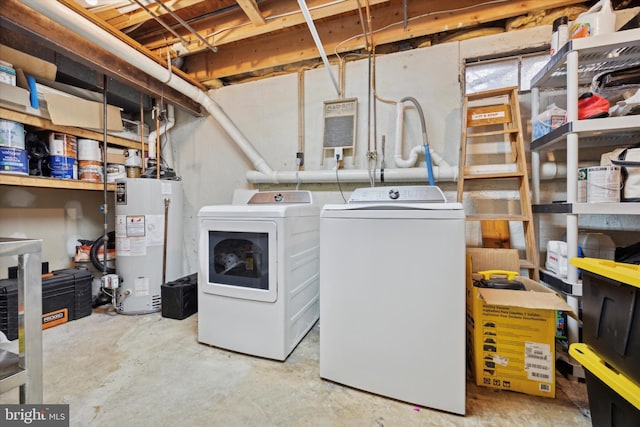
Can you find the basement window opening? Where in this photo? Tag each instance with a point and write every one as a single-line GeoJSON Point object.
{"type": "Point", "coordinates": [515, 70]}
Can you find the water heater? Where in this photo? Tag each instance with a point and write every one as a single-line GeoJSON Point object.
{"type": "Point", "coordinates": [148, 229]}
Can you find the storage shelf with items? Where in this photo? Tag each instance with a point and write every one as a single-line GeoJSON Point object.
{"type": "Point", "coordinates": [41, 123]}
{"type": "Point", "coordinates": [573, 69]}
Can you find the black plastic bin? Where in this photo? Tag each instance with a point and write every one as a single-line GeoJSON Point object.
{"type": "Point", "coordinates": [611, 312]}
{"type": "Point", "coordinates": [180, 297]}
{"type": "Point", "coordinates": [614, 400]}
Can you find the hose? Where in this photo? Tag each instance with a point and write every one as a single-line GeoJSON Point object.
{"type": "Point", "coordinates": [424, 136]}
{"type": "Point", "coordinates": [93, 254]}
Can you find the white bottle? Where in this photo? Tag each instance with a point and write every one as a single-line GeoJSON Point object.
{"type": "Point", "coordinates": [560, 34]}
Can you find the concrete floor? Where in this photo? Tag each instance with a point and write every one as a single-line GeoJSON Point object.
{"type": "Point", "coordinates": [116, 370]}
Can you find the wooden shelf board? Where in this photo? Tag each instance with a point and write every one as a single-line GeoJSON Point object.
{"type": "Point", "coordinates": [46, 182]}
{"type": "Point", "coordinates": [46, 124]}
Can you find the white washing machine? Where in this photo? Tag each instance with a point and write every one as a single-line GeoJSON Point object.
{"type": "Point", "coordinates": [258, 281]}
{"type": "Point", "coordinates": [392, 286]}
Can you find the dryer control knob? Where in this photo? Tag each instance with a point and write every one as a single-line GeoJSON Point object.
{"type": "Point", "coordinates": [278, 197]}
{"type": "Point", "coordinates": [394, 194]}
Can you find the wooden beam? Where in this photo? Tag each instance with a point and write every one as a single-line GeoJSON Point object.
{"type": "Point", "coordinates": [120, 21]}
{"type": "Point", "coordinates": [250, 7]}
{"type": "Point", "coordinates": [21, 18]}
{"type": "Point", "coordinates": [233, 26]}
{"type": "Point", "coordinates": [344, 33]}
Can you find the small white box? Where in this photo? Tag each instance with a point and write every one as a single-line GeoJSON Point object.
{"type": "Point", "coordinates": [557, 257]}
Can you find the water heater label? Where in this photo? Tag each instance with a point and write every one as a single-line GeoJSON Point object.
{"type": "Point", "coordinates": [141, 286]}
{"type": "Point", "coordinates": [121, 193]}
{"type": "Point", "coordinates": [155, 230]}
{"type": "Point", "coordinates": [135, 226]}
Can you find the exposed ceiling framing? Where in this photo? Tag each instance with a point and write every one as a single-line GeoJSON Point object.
{"type": "Point", "coordinates": [218, 42]}
{"type": "Point", "coordinates": [259, 35]}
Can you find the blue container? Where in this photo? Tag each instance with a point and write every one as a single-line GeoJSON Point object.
{"type": "Point", "coordinates": [64, 173]}
{"type": "Point", "coordinates": [61, 162]}
{"type": "Point", "coordinates": [14, 161]}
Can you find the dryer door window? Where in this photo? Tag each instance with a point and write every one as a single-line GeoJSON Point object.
{"type": "Point", "coordinates": [241, 263]}
{"type": "Point", "coordinates": [239, 259]}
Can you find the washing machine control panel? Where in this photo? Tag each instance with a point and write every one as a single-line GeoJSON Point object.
{"type": "Point", "coordinates": [274, 197]}
{"type": "Point", "coordinates": [407, 194]}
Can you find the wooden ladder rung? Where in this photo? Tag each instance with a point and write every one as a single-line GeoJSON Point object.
{"type": "Point", "coordinates": [491, 93]}
{"type": "Point", "coordinates": [492, 133]}
{"type": "Point", "coordinates": [496, 175]}
{"type": "Point", "coordinates": [525, 264]}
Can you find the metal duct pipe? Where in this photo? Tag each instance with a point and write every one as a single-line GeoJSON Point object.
{"type": "Point", "coordinates": [65, 16]}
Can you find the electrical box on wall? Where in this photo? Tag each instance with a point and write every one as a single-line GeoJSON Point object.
{"type": "Point", "coordinates": [340, 123]}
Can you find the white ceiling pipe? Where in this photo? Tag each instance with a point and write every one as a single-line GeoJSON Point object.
{"type": "Point", "coordinates": [74, 22]}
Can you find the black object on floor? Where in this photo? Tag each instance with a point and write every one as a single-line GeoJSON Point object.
{"type": "Point", "coordinates": [180, 297]}
{"type": "Point", "coordinates": [66, 296]}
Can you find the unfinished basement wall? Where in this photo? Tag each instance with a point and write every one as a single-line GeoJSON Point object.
{"type": "Point", "coordinates": [266, 111]}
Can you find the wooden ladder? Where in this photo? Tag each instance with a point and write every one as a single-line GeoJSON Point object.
{"type": "Point", "coordinates": [492, 155]}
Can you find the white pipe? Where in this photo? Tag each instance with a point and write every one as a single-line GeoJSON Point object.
{"type": "Point", "coordinates": [71, 20]}
{"type": "Point", "coordinates": [169, 123]}
{"type": "Point", "coordinates": [415, 151]}
{"type": "Point", "coordinates": [350, 175]}
{"type": "Point", "coordinates": [441, 173]}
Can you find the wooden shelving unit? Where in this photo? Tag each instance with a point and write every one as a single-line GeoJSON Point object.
{"type": "Point", "coordinates": [46, 124]}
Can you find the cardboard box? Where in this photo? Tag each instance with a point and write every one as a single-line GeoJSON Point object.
{"type": "Point", "coordinates": [115, 155]}
{"type": "Point", "coordinates": [30, 64]}
{"type": "Point", "coordinates": [66, 110]}
{"type": "Point", "coordinates": [511, 334]}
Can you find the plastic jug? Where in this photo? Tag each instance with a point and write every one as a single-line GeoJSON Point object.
{"type": "Point", "coordinates": [600, 19]}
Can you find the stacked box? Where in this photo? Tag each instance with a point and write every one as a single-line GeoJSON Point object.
{"type": "Point", "coordinates": [66, 296]}
{"type": "Point", "coordinates": [180, 297]}
{"type": "Point", "coordinates": [511, 333]}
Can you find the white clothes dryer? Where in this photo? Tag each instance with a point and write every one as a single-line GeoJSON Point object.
{"type": "Point", "coordinates": [392, 286]}
{"type": "Point", "coordinates": [258, 279]}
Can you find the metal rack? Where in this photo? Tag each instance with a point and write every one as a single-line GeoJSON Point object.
{"type": "Point", "coordinates": [24, 369]}
{"type": "Point", "coordinates": [575, 65]}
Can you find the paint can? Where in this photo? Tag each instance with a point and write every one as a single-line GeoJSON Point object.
{"type": "Point", "coordinates": [603, 184]}
{"type": "Point", "coordinates": [89, 149]}
{"type": "Point", "coordinates": [114, 172]}
{"type": "Point", "coordinates": [63, 145]}
{"type": "Point", "coordinates": [133, 162]}
{"type": "Point", "coordinates": [90, 171]}
{"type": "Point", "coordinates": [11, 134]}
{"type": "Point", "coordinates": [14, 161]}
{"type": "Point", "coordinates": [63, 155]}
